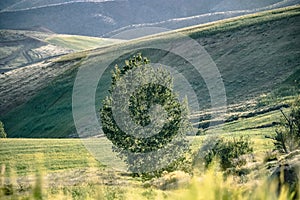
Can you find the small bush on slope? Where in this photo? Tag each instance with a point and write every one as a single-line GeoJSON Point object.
{"type": "Point", "coordinates": [287, 138]}
{"type": "Point", "coordinates": [229, 152]}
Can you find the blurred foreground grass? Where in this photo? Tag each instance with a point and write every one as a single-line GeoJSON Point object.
{"type": "Point", "coordinates": [210, 185]}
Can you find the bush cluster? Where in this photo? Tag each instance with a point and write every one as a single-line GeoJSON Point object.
{"type": "Point", "coordinates": [287, 138]}
{"type": "Point", "coordinates": [229, 152]}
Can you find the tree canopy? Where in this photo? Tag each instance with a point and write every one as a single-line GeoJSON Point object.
{"type": "Point", "coordinates": [143, 117]}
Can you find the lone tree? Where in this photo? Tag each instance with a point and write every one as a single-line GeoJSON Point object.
{"type": "Point", "coordinates": [287, 138]}
{"type": "Point", "coordinates": [144, 119]}
{"type": "Point", "coordinates": [2, 131]}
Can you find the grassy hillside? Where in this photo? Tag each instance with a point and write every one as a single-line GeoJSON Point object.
{"type": "Point", "coordinates": [20, 48]}
{"type": "Point", "coordinates": [221, 10]}
{"type": "Point", "coordinates": [101, 17]}
{"type": "Point", "coordinates": [79, 42]}
{"type": "Point", "coordinates": [256, 55]}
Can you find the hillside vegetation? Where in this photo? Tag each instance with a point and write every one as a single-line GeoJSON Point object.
{"type": "Point", "coordinates": [256, 55]}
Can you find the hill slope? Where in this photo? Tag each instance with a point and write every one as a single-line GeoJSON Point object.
{"type": "Point", "coordinates": [222, 10]}
{"type": "Point", "coordinates": [255, 54]}
{"type": "Point", "coordinates": [101, 17]}
{"type": "Point", "coordinates": [20, 48]}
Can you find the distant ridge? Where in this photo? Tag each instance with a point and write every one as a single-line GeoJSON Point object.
{"type": "Point", "coordinates": [216, 15]}
{"type": "Point", "coordinates": [104, 18]}
{"type": "Point", "coordinates": [23, 5]}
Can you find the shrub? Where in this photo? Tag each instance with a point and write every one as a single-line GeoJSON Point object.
{"type": "Point", "coordinates": [229, 152]}
{"type": "Point", "coordinates": [287, 136]}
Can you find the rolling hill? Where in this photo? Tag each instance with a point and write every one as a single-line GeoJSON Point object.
{"type": "Point", "coordinates": [255, 54]}
{"type": "Point", "coordinates": [101, 17]}
{"type": "Point", "coordinates": [20, 48]}
{"type": "Point", "coordinates": [222, 10]}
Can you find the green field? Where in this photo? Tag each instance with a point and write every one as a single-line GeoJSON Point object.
{"type": "Point", "coordinates": [51, 154]}
{"type": "Point", "coordinates": [59, 155]}
{"type": "Point", "coordinates": [62, 154]}
{"type": "Point", "coordinates": [73, 173]}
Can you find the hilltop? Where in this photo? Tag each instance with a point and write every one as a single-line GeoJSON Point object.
{"type": "Point", "coordinates": [255, 54]}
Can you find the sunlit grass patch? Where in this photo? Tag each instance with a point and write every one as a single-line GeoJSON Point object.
{"type": "Point", "coordinates": [78, 43]}
{"type": "Point", "coordinates": [55, 154]}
